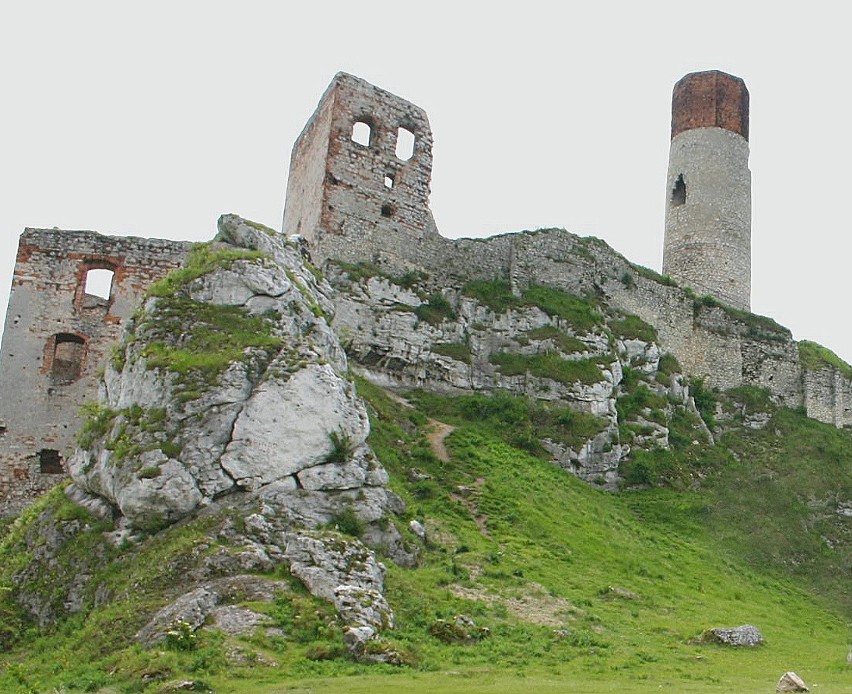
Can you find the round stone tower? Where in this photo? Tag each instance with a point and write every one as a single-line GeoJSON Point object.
{"type": "Point", "coordinates": [708, 211]}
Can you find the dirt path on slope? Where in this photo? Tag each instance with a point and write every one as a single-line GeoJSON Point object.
{"type": "Point", "coordinates": [438, 431]}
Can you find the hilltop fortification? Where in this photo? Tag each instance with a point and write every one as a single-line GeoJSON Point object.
{"type": "Point", "coordinates": [358, 195]}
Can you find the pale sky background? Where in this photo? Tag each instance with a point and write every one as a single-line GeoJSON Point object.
{"type": "Point", "coordinates": [152, 119]}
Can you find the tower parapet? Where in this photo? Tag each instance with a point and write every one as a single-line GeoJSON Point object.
{"type": "Point", "coordinates": [708, 211]}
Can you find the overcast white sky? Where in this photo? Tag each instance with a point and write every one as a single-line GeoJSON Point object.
{"type": "Point", "coordinates": [154, 118]}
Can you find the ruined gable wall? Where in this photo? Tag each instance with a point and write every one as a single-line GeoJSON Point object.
{"type": "Point", "coordinates": [55, 338]}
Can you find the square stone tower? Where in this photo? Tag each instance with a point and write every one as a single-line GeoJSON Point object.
{"type": "Point", "coordinates": [360, 169]}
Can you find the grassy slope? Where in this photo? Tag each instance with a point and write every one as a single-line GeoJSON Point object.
{"type": "Point", "coordinates": [514, 541]}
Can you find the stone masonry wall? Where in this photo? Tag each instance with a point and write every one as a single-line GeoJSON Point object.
{"type": "Point", "coordinates": [55, 338]}
{"type": "Point", "coordinates": [727, 346]}
{"type": "Point", "coordinates": [341, 189]}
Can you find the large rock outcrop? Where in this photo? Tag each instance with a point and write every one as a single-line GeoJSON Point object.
{"type": "Point", "coordinates": [229, 394]}
{"type": "Point", "coordinates": [560, 349]}
{"type": "Point", "coordinates": [230, 379]}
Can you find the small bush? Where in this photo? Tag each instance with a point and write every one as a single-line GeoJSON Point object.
{"type": "Point", "coordinates": [705, 400]}
{"type": "Point", "coordinates": [347, 522]}
{"type": "Point", "coordinates": [436, 310]}
{"type": "Point", "coordinates": [341, 447]}
{"type": "Point", "coordinates": [181, 636]}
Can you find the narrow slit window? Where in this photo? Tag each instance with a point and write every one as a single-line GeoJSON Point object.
{"type": "Point", "coordinates": [404, 144]}
{"type": "Point", "coordinates": [679, 192]}
{"type": "Point", "coordinates": [361, 133]}
{"type": "Point", "coordinates": [388, 181]}
{"type": "Point", "coordinates": [50, 462]}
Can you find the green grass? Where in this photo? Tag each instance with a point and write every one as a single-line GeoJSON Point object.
{"type": "Point", "coordinates": [517, 421]}
{"type": "Point", "coordinates": [186, 336]}
{"type": "Point", "coordinates": [814, 357]}
{"type": "Point", "coordinates": [362, 271]}
{"type": "Point", "coordinates": [761, 327]}
{"type": "Point", "coordinates": [580, 312]}
{"type": "Point", "coordinates": [460, 351]}
{"type": "Point", "coordinates": [633, 327]}
{"type": "Point", "coordinates": [549, 365]}
{"type": "Point", "coordinates": [202, 259]}
{"type": "Point", "coordinates": [495, 294]}
{"type": "Point", "coordinates": [516, 544]}
{"type": "Point", "coordinates": [564, 343]}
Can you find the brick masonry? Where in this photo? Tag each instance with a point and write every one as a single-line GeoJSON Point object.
{"type": "Point", "coordinates": [55, 339]}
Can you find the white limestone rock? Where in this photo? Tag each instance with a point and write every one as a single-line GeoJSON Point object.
{"type": "Point", "coordinates": [791, 682]}
{"type": "Point", "coordinates": [170, 442]}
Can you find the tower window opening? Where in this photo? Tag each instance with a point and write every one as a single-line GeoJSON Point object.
{"type": "Point", "coordinates": [50, 462]}
{"type": "Point", "coordinates": [69, 352]}
{"type": "Point", "coordinates": [388, 180]}
{"type": "Point", "coordinates": [361, 133]}
{"type": "Point", "coordinates": [99, 283]}
{"type": "Point", "coordinates": [404, 144]}
{"type": "Point", "coordinates": [387, 210]}
{"type": "Point", "coordinates": [679, 192]}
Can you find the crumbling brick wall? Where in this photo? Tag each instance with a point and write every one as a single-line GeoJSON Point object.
{"type": "Point", "coordinates": [55, 339]}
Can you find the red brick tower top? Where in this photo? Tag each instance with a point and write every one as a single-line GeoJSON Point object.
{"type": "Point", "coordinates": [710, 99]}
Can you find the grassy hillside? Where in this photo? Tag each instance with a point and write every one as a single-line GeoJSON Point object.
{"type": "Point", "coordinates": [566, 587]}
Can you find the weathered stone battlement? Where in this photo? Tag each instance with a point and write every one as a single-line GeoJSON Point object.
{"type": "Point", "coordinates": [56, 336]}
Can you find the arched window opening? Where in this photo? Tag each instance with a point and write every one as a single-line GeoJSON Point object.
{"type": "Point", "coordinates": [50, 462]}
{"type": "Point", "coordinates": [679, 192]}
{"type": "Point", "coordinates": [69, 351]}
{"type": "Point", "coordinates": [361, 133]}
{"type": "Point", "coordinates": [404, 144]}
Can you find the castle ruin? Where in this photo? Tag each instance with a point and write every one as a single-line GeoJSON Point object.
{"type": "Point", "coordinates": [56, 337]}
{"type": "Point", "coordinates": [358, 192]}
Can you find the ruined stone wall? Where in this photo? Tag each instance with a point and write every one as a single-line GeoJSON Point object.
{"type": "Point", "coordinates": [55, 338]}
{"type": "Point", "coordinates": [361, 187]}
{"type": "Point", "coordinates": [828, 396]}
{"type": "Point", "coordinates": [707, 239]}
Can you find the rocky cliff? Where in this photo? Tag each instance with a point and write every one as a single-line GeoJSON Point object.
{"type": "Point", "coordinates": [230, 389]}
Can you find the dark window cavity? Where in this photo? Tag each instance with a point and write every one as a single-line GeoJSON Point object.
{"type": "Point", "coordinates": [50, 462]}
{"type": "Point", "coordinates": [69, 351]}
{"type": "Point", "coordinates": [387, 210]}
{"type": "Point", "coordinates": [679, 192]}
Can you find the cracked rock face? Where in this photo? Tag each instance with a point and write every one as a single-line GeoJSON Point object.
{"type": "Point", "coordinates": [173, 431]}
